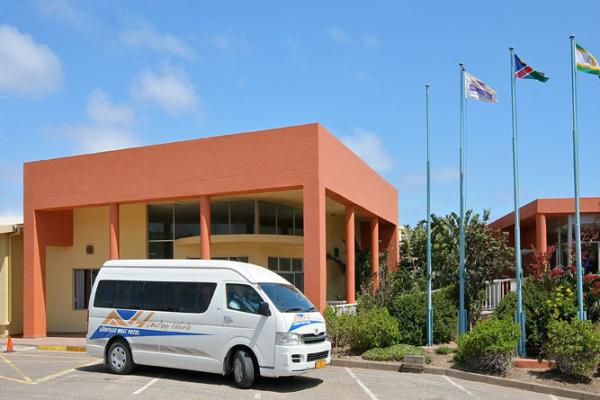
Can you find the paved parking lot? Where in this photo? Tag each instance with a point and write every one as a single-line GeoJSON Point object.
{"type": "Point", "coordinates": [32, 374]}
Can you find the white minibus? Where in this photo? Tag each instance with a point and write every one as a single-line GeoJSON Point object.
{"type": "Point", "coordinates": [212, 316]}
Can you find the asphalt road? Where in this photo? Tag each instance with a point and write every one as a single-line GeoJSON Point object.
{"type": "Point", "coordinates": [34, 374]}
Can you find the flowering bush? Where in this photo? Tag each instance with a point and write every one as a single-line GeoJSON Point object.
{"type": "Point", "coordinates": [574, 346]}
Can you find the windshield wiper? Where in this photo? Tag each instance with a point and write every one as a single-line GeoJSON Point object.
{"type": "Point", "coordinates": [293, 309]}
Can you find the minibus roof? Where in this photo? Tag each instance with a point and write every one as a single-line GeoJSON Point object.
{"type": "Point", "coordinates": [252, 273]}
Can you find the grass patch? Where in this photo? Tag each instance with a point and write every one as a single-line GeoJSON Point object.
{"type": "Point", "coordinates": [395, 353]}
{"type": "Point", "coordinates": [445, 350]}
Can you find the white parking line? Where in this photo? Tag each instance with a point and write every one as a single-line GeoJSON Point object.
{"type": "Point", "coordinates": [146, 386]}
{"type": "Point", "coordinates": [362, 385]}
{"type": "Point", "coordinates": [460, 387]}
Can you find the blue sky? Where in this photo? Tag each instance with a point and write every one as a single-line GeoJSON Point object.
{"type": "Point", "coordinates": [87, 76]}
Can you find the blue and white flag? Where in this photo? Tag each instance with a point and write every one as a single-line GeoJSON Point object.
{"type": "Point", "coordinates": [478, 90]}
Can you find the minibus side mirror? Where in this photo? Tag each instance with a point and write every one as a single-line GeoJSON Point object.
{"type": "Point", "coordinates": [264, 309]}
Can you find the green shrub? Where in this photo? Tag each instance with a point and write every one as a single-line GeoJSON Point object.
{"type": "Point", "coordinates": [395, 353]}
{"type": "Point", "coordinates": [489, 346]}
{"type": "Point", "coordinates": [372, 328]}
{"type": "Point", "coordinates": [410, 311]}
{"type": "Point", "coordinates": [543, 301]}
{"type": "Point", "coordinates": [445, 350]}
{"type": "Point", "coordinates": [339, 327]}
{"type": "Point", "coordinates": [574, 346]}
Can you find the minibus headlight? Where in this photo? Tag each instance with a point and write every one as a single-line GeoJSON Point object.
{"type": "Point", "coordinates": [287, 339]}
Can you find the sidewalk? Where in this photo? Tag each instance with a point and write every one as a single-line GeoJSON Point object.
{"type": "Point", "coordinates": [66, 341]}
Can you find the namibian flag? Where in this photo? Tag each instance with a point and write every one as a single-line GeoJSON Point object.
{"type": "Point", "coordinates": [525, 71]}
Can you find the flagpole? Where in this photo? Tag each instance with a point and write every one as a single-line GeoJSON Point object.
{"type": "Point", "coordinates": [580, 311]}
{"type": "Point", "coordinates": [519, 315]}
{"type": "Point", "coordinates": [429, 304]}
{"type": "Point", "coordinates": [462, 323]}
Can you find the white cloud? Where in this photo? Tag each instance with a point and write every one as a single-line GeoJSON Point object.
{"type": "Point", "coordinates": [109, 127]}
{"type": "Point", "coordinates": [64, 12]}
{"type": "Point", "coordinates": [169, 88]}
{"type": "Point", "coordinates": [417, 179]}
{"type": "Point", "coordinates": [370, 40]}
{"type": "Point", "coordinates": [145, 36]}
{"type": "Point", "coordinates": [338, 35]}
{"type": "Point", "coordinates": [102, 111]}
{"type": "Point", "coordinates": [369, 147]}
{"type": "Point", "coordinates": [27, 68]}
{"type": "Point", "coordinates": [220, 42]}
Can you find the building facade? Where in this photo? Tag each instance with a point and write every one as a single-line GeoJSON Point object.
{"type": "Point", "coordinates": [551, 222]}
{"type": "Point", "coordinates": [294, 200]}
{"type": "Point", "coordinates": [11, 275]}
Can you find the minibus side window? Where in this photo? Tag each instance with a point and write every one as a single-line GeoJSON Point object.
{"type": "Point", "coordinates": [242, 298]}
{"type": "Point", "coordinates": [180, 297]}
{"type": "Point", "coordinates": [104, 294]}
{"type": "Point", "coordinates": [152, 296]}
{"type": "Point", "coordinates": [207, 290]}
{"type": "Point", "coordinates": [122, 294]}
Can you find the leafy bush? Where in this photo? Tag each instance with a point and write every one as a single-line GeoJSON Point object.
{"type": "Point", "coordinates": [372, 328]}
{"type": "Point", "coordinates": [489, 346]}
{"type": "Point", "coordinates": [445, 350]}
{"type": "Point", "coordinates": [410, 311]}
{"type": "Point", "coordinates": [575, 347]}
{"type": "Point", "coordinates": [395, 353]}
{"type": "Point", "coordinates": [339, 327]}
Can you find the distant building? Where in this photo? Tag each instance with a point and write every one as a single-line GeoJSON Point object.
{"type": "Point", "coordinates": [281, 198]}
{"type": "Point", "coordinates": [11, 275]}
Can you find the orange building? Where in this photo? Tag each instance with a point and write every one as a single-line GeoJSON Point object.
{"type": "Point", "coordinates": [289, 199]}
{"type": "Point", "coordinates": [550, 222]}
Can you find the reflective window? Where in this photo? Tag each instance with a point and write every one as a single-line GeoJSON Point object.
{"type": "Point", "coordinates": [241, 217]}
{"type": "Point", "coordinates": [219, 218]}
{"type": "Point", "coordinates": [298, 222]}
{"type": "Point", "coordinates": [187, 220]}
{"type": "Point", "coordinates": [83, 280]}
{"type": "Point", "coordinates": [242, 298]}
{"type": "Point", "coordinates": [267, 216]}
{"type": "Point", "coordinates": [160, 222]}
{"type": "Point", "coordinates": [285, 220]}
{"type": "Point", "coordinates": [290, 269]}
{"type": "Point", "coordinates": [160, 250]}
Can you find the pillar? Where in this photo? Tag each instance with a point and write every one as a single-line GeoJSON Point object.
{"type": "Point", "coordinates": [350, 255]}
{"type": "Point", "coordinates": [34, 301]}
{"type": "Point", "coordinates": [540, 233]}
{"type": "Point", "coordinates": [315, 240]}
{"type": "Point", "coordinates": [375, 252]}
{"type": "Point", "coordinates": [205, 227]}
{"type": "Point", "coordinates": [113, 231]}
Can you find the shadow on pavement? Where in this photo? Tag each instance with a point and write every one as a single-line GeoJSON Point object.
{"type": "Point", "coordinates": [278, 385]}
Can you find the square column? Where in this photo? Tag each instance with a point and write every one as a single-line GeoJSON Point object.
{"type": "Point", "coordinates": [350, 255]}
{"type": "Point", "coordinates": [315, 261]}
{"type": "Point", "coordinates": [375, 252]}
{"type": "Point", "coordinates": [540, 233]}
{"type": "Point", "coordinates": [34, 299]}
{"type": "Point", "coordinates": [205, 227]}
{"type": "Point", "coordinates": [113, 231]}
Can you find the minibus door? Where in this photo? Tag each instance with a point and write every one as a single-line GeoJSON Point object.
{"type": "Point", "coordinates": [241, 319]}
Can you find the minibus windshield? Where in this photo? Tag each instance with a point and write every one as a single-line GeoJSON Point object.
{"type": "Point", "coordinates": [287, 298]}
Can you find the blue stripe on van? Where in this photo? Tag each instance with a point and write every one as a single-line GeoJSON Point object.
{"type": "Point", "coordinates": [126, 314]}
{"type": "Point", "coordinates": [300, 324]}
{"type": "Point", "coordinates": [106, 331]}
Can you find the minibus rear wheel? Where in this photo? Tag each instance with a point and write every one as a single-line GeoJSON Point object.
{"type": "Point", "coordinates": [119, 357]}
{"type": "Point", "coordinates": [243, 369]}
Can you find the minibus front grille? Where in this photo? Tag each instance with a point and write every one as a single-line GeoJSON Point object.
{"type": "Point", "coordinates": [317, 356]}
{"type": "Point", "coordinates": [312, 338]}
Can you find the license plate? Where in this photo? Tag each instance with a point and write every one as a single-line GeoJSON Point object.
{"type": "Point", "coordinates": [320, 363]}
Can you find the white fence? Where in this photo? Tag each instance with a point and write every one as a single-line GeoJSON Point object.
{"type": "Point", "coordinates": [342, 307]}
{"type": "Point", "coordinates": [496, 290]}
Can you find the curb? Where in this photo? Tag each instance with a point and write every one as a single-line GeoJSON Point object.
{"type": "Point", "coordinates": [470, 376]}
{"type": "Point", "coordinates": [61, 348]}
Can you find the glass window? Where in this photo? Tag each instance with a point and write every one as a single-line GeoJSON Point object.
{"type": "Point", "coordinates": [160, 222]}
{"type": "Point", "coordinates": [83, 280]}
{"type": "Point", "coordinates": [285, 264]}
{"type": "Point", "coordinates": [285, 220]}
{"type": "Point", "coordinates": [298, 222]}
{"type": "Point", "coordinates": [242, 298]}
{"type": "Point", "coordinates": [160, 250]}
{"type": "Point", "coordinates": [180, 297]}
{"type": "Point", "coordinates": [122, 294]}
{"type": "Point", "coordinates": [207, 290]}
{"type": "Point", "coordinates": [187, 220]}
{"type": "Point", "coordinates": [104, 294]}
{"type": "Point", "coordinates": [297, 264]}
{"type": "Point", "coordinates": [290, 269]}
{"type": "Point", "coordinates": [273, 263]}
{"type": "Point", "coordinates": [219, 218]}
{"type": "Point", "coordinates": [152, 295]}
{"type": "Point", "coordinates": [287, 298]}
{"type": "Point", "coordinates": [267, 213]}
{"type": "Point", "coordinates": [242, 217]}
{"type": "Point", "coordinates": [137, 291]}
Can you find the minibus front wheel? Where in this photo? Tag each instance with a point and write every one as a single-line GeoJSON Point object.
{"type": "Point", "coordinates": [119, 357]}
{"type": "Point", "coordinates": [243, 369]}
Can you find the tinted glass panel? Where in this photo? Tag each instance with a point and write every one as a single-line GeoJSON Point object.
{"type": "Point", "coordinates": [285, 220]}
{"type": "Point", "coordinates": [160, 250]}
{"type": "Point", "coordinates": [207, 291]}
{"type": "Point", "coordinates": [137, 291]}
{"type": "Point", "coordinates": [160, 222]}
{"type": "Point", "coordinates": [187, 220]}
{"type": "Point", "coordinates": [122, 294]}
{"type": "Point", "coordinates": [287, 298]}
{"type": "Point", "coordinates": [266, 212]}
{"type": "Point", "coordinates": [219, 218]}
{"type": "Point", "coordinates": [104, 294]}
{"type": "Point", "coordinates": [242, 217]}
{"type": "Point", "coordinates": [242, 298]}
{"type": "Point", "coordinates": [273, 263]}
{"type": "Point", "coordinates": [152, 295]}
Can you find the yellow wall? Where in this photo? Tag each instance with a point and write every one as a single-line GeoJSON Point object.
{"type": "Point", "coordinates": [90, 227]}
{"type": "Point", "coordinates": [4, 288]}
{"type": "Point", "coordinates": [132, 231]}
{"type": "Point", "coordinates": [336, 276]}
{"type": "Point", "coordinates": [11, 284]}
